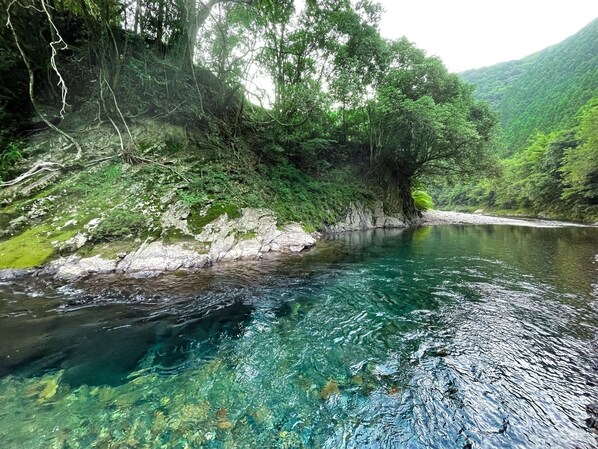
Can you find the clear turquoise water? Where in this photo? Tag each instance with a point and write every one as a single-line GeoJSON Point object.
{"type": "Point", "coordinates": [444, 337]}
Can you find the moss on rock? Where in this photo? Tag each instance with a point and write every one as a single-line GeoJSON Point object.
{"type": "Point", "coordinates": [197, 221]}
{"type": "Point", "coordinates": [32, 247]}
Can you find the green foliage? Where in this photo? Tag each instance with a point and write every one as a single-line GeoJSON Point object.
{"type": "Point", "coordinates": [313, 201]}
{"type": "Point", "coordinates": [549, 135]}
{"type": "Point", "coordinates": [119, 224]}
{"type": "Point", "coordinates": [422, 200]}
{"type": "Point", "coordinates": [9, 157]}
{"type": "Point", "coordinates": [353, 116]}
{"type": "Point", "coordinates": [580, 163]}
{"type": "Point", "coordinates": [246, 235]}
{"type": "Point", "coordinates": [423, 121]}
{"type": "Point", "coordinates": [557, 174]}
{"type": "Point", "coordinates": [197, 219]}
{"type": "Point", "coordinates": [192, 199]}
{"type": "Point", "coordinates": [32, 247]}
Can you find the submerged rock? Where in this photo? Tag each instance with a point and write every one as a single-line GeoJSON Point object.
{"type": "Point", "coordinates": [330, 389]}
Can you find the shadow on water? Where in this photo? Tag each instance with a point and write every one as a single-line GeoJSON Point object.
{"type": "Point", "coordinates": [103, 342]}
{"type": "Point", "coordinates": [102, 330]}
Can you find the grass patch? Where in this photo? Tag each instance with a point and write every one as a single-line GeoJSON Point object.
{"type": "Point", "coordinates": [109, 250]}
{"type": "Point", "coordinates": [175, 236]}
{"type": "Point", "coordinates": [246, 235]}
{"type": "Point", "coordinates": [119, 223]}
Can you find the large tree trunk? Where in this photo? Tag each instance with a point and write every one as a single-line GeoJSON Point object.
{"type": "Point", "coordinates": [410, 213]}
{"type": "Point", "coordinates": [196, 16]}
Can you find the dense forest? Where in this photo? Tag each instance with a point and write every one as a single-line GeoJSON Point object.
{"type": "Point", "coordinates": [297, 96]}
{"type": "Point", "coordinates": [543, 91]}
{"type": "Point", "coordinates": [548, 106]}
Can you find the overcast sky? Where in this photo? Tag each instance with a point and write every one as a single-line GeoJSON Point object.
{"type": "Point", "coordinates": [469, 34]}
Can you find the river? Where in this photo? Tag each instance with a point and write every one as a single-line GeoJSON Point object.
{"type": "Point", "coordinates": [440, 337]}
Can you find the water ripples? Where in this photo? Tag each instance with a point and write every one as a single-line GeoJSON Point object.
{"type": "Point", "coordinates": [444, 337]}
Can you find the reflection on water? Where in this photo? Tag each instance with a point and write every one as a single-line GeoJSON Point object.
{"type": "Point", "coordinates": [443, 337]}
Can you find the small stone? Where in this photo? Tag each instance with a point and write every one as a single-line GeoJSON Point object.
{"type": "Point", "coordinates": [210, 436]}
{"type": "Point", "coordinates": [225, 425]}
{"type": "Point", "coordinates": [442, 352]}
{"type": "Point", "coordinates": [222, 417]}
{"type": "Point", "coordinates": [393, 390]}
{"type": "Point", "coordinates": [49, 390]}
{"type": "Point", "coordinates": [221, 413]}
{"type": "Point", "coordinates": [70, 223]}
{"type": "Point", "coordinates": [330, 389]}
{"type": "Point", "coordinates": [92, 224]}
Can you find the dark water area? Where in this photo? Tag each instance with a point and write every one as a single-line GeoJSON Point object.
{"type": "Point", "coordinates": [441, 337]}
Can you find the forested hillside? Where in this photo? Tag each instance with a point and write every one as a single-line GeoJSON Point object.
{"type": "Point", "coordinates": [111, 106]}
{"type": "Point", "coordinates": [543, 91]}
{"type": "Point", "coordinates": [548, 104]}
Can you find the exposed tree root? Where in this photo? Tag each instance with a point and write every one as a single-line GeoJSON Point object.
{"type": "Point", "coordinates": [32, 78]}
{"type": "Point", "coordinates": [34, 171]}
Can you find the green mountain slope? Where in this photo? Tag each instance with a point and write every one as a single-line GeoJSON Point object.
{"type": "Point", "coordinates": [543, 91]}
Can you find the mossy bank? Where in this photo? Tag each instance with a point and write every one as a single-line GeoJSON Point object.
{"type": "Point", "coordinates": [192, 199]}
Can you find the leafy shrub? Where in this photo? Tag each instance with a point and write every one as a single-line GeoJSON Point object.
{"type": "Point", "coordinates": [422, 200]}
{"type": "Point", "coordinates": [10, 156]}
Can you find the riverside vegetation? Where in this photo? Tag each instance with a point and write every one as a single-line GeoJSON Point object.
{"type": "Point", "coordinates": [114, 113]}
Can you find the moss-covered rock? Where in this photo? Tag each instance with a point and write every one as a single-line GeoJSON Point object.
{"type": "Point", "coordinates": [32, 247]}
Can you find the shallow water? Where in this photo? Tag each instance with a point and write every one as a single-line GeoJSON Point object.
{"type": "Point", "coordinates": [443, 337]}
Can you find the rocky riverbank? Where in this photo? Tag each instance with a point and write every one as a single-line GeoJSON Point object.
{"type": "Point", "coordinates": [250, 236]}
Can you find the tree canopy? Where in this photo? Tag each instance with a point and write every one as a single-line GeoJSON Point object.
{"type": "Point", "coordinates": [312, 85]}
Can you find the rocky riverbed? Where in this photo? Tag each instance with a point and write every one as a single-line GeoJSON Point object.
{"type": "Point", "coordinates": [437, 217]}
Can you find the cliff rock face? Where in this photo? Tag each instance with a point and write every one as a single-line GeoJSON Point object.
{"type": "Point", "coordinates": [360, 217]}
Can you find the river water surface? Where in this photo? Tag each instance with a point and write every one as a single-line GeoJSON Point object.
{"type": "Point", "coordinates": [442, 337]}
